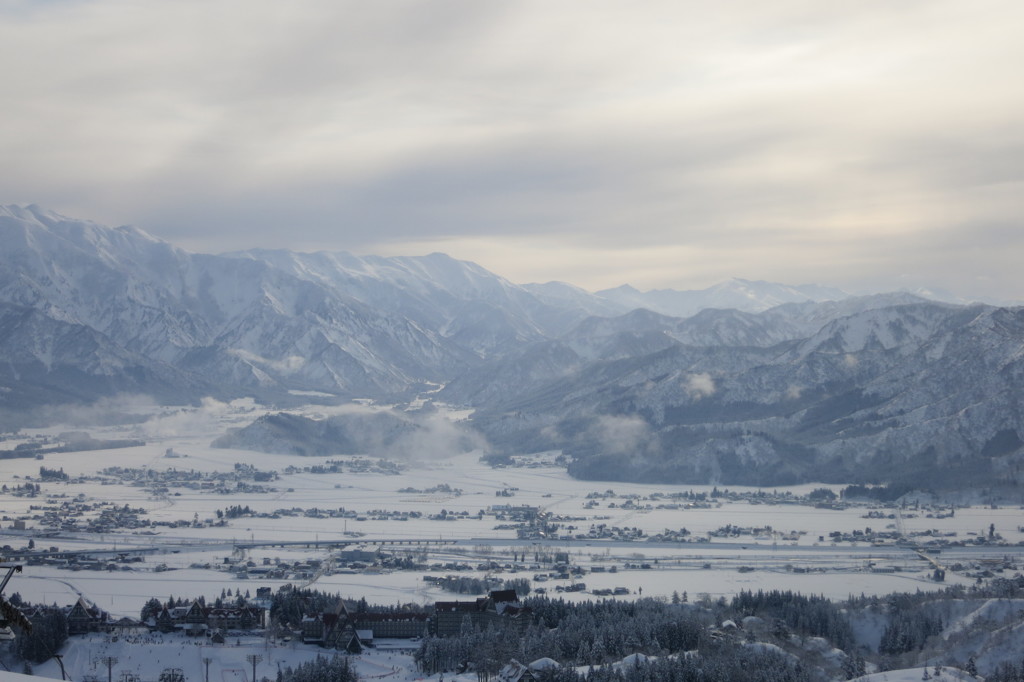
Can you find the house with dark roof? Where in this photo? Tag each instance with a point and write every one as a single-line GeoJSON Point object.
{"type": "Point", "coordinates": [235, 617]}
{"type": "Point", "coordinates": [343, 637]}
{"type": "Point", "coordinates": [165, 621]}
{"type": "Point", "coordinates": [514, 671]}
{"type": "Point", "coordinates": [193, 623]}
{"type": "Point", "coordinates": [82, 618]}
{"type": "Point", "coordinates": [197, 619]}
{"type": "Point", "coordinates": [312, 629]}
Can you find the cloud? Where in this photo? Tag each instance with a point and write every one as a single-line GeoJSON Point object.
{"type": "Point", "coordinates": [428, 434]}
{"type": "Point", "coordinates": [623, 434]}
{"type": "Point", "coordinates": [288, 365]}
{"type": "Point", "coordinates": [771, 141]}
{"type": "Point", "coordinates": [205, 419]}
{"type": "Point", "coordinates": [438, 438]}
{"type": "Point", "coordinates": [700, 385]}
{"type": "Point", "coordinates": [117, 409]}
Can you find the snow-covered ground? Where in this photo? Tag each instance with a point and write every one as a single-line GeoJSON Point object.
{"type": "Point", "coordinates": [918, 674]}
{"type": "Point", "coordinates": [147, 655]}
{"type": "Point", "coordinates": [797, 554]}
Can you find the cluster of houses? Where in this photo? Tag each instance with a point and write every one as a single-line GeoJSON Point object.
{"type": "Point", "coordinates": [244, 478]}
{"type": "Point", "coordinates": [192, 619]}
{"type": "Point", "coordinates": [358, 465]}
{"type": "Point", "coordinates": [196, 619]}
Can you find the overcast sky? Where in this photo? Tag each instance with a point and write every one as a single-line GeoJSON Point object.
{"type": "Point", "coordinates": [868, 145]}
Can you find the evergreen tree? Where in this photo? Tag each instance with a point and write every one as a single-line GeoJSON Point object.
{"type": "Point", "coordinates": [151, 609]}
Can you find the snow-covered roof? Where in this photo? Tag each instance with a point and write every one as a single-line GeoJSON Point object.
{"type": "Point", "coordinates": [513, 671]}
{"type": "Point", "coordinates": [544, 664]}
{"type": "Point", "coordinates": [634, 659]}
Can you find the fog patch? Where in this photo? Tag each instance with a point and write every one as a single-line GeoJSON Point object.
{"type": "Point", "coordinates": [438, 438]}
{"type": "Point", "coordinates": [288, 365]}
{"type": "Point", "coordinates": [208, 417]}
{"type": "Point", "coordinates": [108, 411]}
{"type": "Point", "coordinates": [700, 385]}
{"type": "Point", "coordinates": [619, 442]}
{"type": "Point", "coordinates": [354, 429]}
{"type": "Point", "coordinates": [623, 434]}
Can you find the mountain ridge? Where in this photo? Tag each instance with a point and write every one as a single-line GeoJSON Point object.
{"type": "Point", "coordinates": [817, 385]}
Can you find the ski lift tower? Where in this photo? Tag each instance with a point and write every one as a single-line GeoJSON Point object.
{"type": "Point", "coordinates": [8, 613]}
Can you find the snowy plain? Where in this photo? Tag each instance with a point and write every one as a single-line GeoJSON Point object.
{"type": "Point", "coordinates": [796, 554]}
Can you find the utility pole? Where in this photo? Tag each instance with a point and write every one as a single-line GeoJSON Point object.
{"type": "Point", "coordinates": [254, 659]}
{"type": "Point", "coordinates": [8, 614]}
{"type": "Point", "coordinates": [60, 662]}
{"type": "Point", "coordinates": [206, 662]}
{"type": "Point", "coordinates": [110, 662]}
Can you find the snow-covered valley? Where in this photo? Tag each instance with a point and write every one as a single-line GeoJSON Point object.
{"type": "Point", "coordinates": [454, 516]}
{"type": "Point", "coordinates": [457, 501]}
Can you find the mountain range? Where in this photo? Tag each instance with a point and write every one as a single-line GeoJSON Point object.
{"type": "Point", "coordinates": [744, 382]}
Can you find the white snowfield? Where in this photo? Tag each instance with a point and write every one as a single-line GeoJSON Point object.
{"type": "Point", "coordinates": [150, 655]}
{"type": "Point", "coordinates": [946, 674]}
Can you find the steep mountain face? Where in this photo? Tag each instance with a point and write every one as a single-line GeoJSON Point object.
{"type": "Point", "coordinates": [922, 393]}
{"type": "Point", "coordinates": [47, 360]}
{"type": "Point", "coordinates": [475, 309]}
{"type": "Point", "coordinates": [260, 323]}
{"type": "Point", "coordinates": [239, 323]}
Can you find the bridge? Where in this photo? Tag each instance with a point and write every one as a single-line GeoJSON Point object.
{"type": "Point", "coordinates": [28, 555]}
{"type": "Point", "coordinates": [339, 544]}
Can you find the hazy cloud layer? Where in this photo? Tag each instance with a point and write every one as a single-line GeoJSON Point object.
{"type": "Point", "coordinates": [872, 145]}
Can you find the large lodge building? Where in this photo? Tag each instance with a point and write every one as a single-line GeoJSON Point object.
{"type": "Point", "coordinates": [336, 629]}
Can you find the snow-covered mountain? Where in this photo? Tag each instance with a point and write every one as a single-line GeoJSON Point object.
{"type": "Point", "coordinates": [920, 392]}
{"type": "Point", "coordinates": [258, 323]}
{"type": "Point", "coordinates": [461, 301]}
{"type": "Point", "coordinates": [735, 294]}
{"type": "Point", "coordinates": [745, 382]}
{"type": "Point", "coordinates": [241, 324]}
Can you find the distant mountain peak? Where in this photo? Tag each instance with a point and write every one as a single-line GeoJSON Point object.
{"type": "Point", "coordinates": [736, 293]}
{"type": "Point", "coordinates": [621, 289]}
